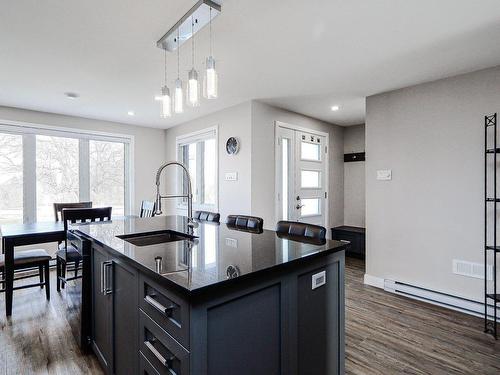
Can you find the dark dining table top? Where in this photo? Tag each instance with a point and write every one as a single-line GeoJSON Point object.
{"type": "Point", "coordinates": [23, 229]}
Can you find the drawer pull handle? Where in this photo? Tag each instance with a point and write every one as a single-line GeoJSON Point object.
{"type": "Point", "coordinates": [157, 305]}
{"type": "Point", "coordinates": [165, 362]}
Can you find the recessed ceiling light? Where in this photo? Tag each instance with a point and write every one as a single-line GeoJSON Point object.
{"type": "Point", "coordinates": [71, 95]}
{"type": "Point", "coordinates": [131, 113]}
{"type": "Point", "coordinates": [335, 108]}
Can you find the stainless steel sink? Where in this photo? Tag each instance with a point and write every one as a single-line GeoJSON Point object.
{"type": "Point", "coordinates": [154, 238]}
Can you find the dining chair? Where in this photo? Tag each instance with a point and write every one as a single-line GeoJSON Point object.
{"type": "Point", "coordinates": [147, 209]}
{"type": "Point", "coordinates": [244, 222]}
{"type": "Point", "coordinates": [207, 216]}
{"type": "Point", "coordinates": [298, 230]}
{"type": "Point", "coordinates": [29, 259]}
{"type": "Point", "coordinates": [69, 254]}
{"type": "Point", "coordinates": [58, 207]}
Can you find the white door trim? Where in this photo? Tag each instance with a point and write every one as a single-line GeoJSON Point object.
{"type": "Point", "coordinates": [277, 185]}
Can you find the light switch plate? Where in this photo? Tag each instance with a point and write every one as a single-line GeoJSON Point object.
{"type": "Point", "coordinates": [318, 279]}
{"type": "Point", "coordinates": [384, 174]}
{"type": "Point", "coordinates": [231, 176]}
{"type": "Point", "coordinates": [231, 242]}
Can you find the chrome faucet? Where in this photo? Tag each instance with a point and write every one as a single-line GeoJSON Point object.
{"type": "Point", "coordinates": [189, 194]}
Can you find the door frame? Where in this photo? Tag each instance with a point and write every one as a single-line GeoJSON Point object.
{"type": "Point", "coordinates": [277, 159]}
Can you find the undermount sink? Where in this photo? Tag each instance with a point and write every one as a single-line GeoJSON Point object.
{"type": "Point", "coordinates": [154, 238]}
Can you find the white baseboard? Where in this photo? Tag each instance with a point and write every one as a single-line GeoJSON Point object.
{"type": "Point", "coordinates": [436, 298]}
{"type": "Point", "coordinates": [375, 281]}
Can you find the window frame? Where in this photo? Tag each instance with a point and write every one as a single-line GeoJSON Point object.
{"type": "Point", "coordinates": [29, 131]}
{"type": "Point", "coordinates": [211, 132]}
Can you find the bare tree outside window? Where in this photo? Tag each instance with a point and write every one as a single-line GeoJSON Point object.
{"type": "Point", "coordinates": [11, 178]}
{"type": "Point", "coordinates": [107, 175]}
{"type": "Point", "coordinates": [57, 173]}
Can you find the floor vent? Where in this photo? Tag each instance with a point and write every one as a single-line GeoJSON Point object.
{"type": "Point", "coordinates": [471, 269]}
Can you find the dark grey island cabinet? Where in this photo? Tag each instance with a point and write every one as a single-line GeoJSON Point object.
{"type": "Point", "coordinates": [216, 301]}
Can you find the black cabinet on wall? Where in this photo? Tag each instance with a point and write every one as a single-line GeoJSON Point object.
{"type": "Point", "coordinates": [355, 235]}
{"type": "Point", "coordinates": [114, 323]}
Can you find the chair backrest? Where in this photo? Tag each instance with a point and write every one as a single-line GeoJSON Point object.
{"type": "Point", "coordinates": [83, 215]}
{"type": "Point", "coordinates": [147, 209]}
{"type": "Point", "coordinates": [252, 223]}
{"type": "Point", "coordinates": [58, 207]}
{"type": "Point", "coordinates": [301, 230]}
{"type": "Point", "coordinates": [207, 216]}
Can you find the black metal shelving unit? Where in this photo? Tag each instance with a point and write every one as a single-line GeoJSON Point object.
{"type": "Point", "coordinates": [491, 250]}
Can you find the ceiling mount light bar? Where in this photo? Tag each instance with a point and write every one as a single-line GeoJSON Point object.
{"type": "Point", "coordinates": [184, 29]}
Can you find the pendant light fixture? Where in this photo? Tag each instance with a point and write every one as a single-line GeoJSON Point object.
{"type": "Point", "coordinates": [193, 89]}
{"type": "Point", "coordinates": [166, 100]}
{"type": "Point", "coordinates": [210, 80]}
{"type": "Point", "coordinates": [178, 95]}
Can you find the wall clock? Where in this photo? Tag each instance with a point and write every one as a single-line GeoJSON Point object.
{"type": "Point", "coordinates": [232, 146]}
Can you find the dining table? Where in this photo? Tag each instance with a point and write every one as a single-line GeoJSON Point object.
{"type": "Point", "coordinates": [14, 235]}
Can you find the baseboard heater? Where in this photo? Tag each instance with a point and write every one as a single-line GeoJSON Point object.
{"type": "Point", "coordinates": [441, 299]}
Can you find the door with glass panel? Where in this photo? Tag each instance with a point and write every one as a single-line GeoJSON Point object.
{"type": "Point", "coordinates": [301, 176]}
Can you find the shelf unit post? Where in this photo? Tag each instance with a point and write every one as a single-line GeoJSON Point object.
{"type": "Point", "coordinates": [490, 326]}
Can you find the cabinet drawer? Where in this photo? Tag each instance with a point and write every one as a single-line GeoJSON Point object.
{"type": "Point", "coordinates": [146, 368]}
{"type": "Point", "coordinates": [165, 354]}
{"type": "Point", "coordinates": [166, 308]}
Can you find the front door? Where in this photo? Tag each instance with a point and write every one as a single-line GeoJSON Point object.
{"type": "Point", "coordinates": [301, 159]}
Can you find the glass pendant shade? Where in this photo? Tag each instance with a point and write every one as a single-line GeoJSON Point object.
{"type": "Point", "coordinates": [210, 81]}
{"type": "Point", "coordinates": [178, 97]}
{"type": "Point", "coordinates": [166, 102]}
{"type": "Point", "coordinates": [193, 89]}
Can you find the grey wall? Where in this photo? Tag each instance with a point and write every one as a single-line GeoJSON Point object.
{"type": "Point", "coordinates": [263, 174]}
{"type": "Point", "coordinates": [354, 177]}
{"type": "Point", "coordinates": [234, 196]}
{"type": "Point", "coordinates": [431, 136]}
{"type": "Point", "coordinates": [149, 143]}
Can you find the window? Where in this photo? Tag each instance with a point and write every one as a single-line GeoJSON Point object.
{"type": "Point", "coordinates": [310, 179]}
{"type": "Point", "coordinates": [57, 174]}
{"type": "Point", "coordinates": [310, 207]}
{"type": "Point", "coordinates": [310, 151]}
{"type": "Point", "coordinates": [107, 175]}
{"type": "Point", "coordinates": [42, 165]}
{"type": "Point", "coordinates": [11, 178]}
{"type": "Point", "coordinates": [198, 152]}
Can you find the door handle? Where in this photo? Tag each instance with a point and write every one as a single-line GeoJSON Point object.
{"type": "Point", "coordinates": [299, 206]}
{"type": "Point", "coordinates": [108, 289]}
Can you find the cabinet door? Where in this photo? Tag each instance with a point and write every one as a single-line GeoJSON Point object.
{"type": "Point", "coordinates": [101, 328]}
{"type": "Point", "coordinates": [125, 319]}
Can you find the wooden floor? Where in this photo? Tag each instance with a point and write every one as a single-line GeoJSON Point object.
{"type": "Point", "coordinates": [389, 334]}
{"type": "Point", "coordinates": [385, 334]}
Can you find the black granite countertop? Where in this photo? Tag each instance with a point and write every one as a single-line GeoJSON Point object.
{"type": "Point", "coordinates": [215, 253]}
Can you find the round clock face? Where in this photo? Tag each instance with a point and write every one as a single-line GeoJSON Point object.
{"type": "Point", "coordinates": [232, 146]}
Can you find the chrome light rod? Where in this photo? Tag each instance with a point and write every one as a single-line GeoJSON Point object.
{"type": "Point", "coordinates": [201, 13]}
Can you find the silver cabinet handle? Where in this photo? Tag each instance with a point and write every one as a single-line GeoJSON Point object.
{"type": "Point", "coordinates": [157, 305]}
{"type": "Point", "coordinates": [157, 354]}
{"type": "Point", "coordinates": [102, 277]}
{"type": "Point", "coordinates": [108, 289]}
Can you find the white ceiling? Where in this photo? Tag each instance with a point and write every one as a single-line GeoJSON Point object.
{"type": "Point", "coordinates": [300, 55]}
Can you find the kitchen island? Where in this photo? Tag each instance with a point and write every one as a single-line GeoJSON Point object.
{"type": "Point", "coordinates": [170, 299]}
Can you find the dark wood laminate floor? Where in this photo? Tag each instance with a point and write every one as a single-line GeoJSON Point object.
{"type": "Point", "coordinates": [390, 334]}
{"type": "Point", "coordinates": [385, 334]}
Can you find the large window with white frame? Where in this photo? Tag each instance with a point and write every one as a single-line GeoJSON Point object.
{"type": "Point", "coordinates": [42, 165]}
{"type": "Point", "coordinates": [198, 152]}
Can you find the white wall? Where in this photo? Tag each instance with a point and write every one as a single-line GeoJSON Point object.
{"type": "Point", "coordinates": [149, 143]}
{"type": "Point", "coordinates": [354, 177]}
{"type": "Point", "coordinates": [234, 196]}
{"type": "Point", "coordinates": [431, 136]}
{"type": "Point", "coordinates": [253, 124]}
{"type": "Point", "coordinates": [263, 174]}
